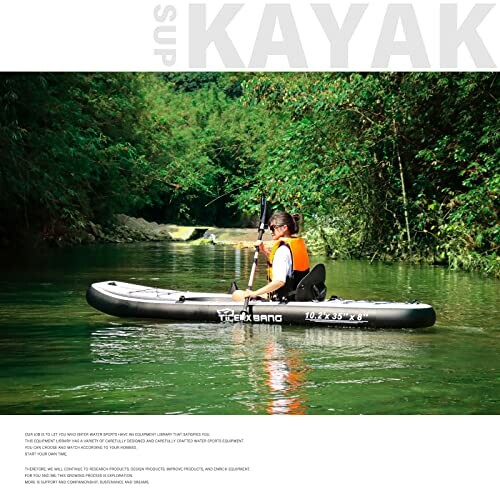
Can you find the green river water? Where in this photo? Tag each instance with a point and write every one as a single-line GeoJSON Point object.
{"type": "Point", "coordinates": [60, 356]}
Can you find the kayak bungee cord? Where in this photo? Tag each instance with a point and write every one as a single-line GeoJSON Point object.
{"type": "Point", "coordinates": [159, 291]}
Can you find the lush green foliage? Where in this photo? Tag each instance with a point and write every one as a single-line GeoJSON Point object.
{"type": "Point", "coordinates": [382, 165]}
{"type": "Point", "coordinates": [67, 151]}
{"type": "Point", "coordinates": [389, 165]}
{"type": "Point", "coordinates": [203, 143]}
{"type": "Point", "coordinates": [76, 148]}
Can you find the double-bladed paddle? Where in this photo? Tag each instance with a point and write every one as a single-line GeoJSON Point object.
{"type": "Point", "coordinates": [263, 209]}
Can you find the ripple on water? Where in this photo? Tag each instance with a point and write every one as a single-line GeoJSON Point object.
{"type": "Point", "coordinates": [61, 356]}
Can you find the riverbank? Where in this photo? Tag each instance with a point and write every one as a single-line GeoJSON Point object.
{"type": "Point", "coordinates": [126, 229]}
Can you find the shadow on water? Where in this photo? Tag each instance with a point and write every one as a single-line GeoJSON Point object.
{"type": "Point", "coordinates": [61, 356]}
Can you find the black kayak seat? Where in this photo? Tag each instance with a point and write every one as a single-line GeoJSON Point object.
{"type": "Point", "coordinates": [312, 286]}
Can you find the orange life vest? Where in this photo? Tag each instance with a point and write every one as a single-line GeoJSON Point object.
{"type": "Point", "coordinates": [300, 263]}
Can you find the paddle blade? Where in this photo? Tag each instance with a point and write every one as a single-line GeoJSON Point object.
{"type": "Point", "coordinates": [263, 209]}
{"type": "Point", "coordinates": [263, 216]}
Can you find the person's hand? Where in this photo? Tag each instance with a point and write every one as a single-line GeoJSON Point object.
{"type": "Point", "coordinates": [260, 245]}
{"type": "Point", "coordinates": [241, 295]}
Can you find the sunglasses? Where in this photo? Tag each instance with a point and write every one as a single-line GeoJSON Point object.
{"type": "Point", "coordinates": [272, 227]}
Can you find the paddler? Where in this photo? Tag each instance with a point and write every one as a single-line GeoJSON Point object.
{"type": "Point", "coordinates": [287, 260]}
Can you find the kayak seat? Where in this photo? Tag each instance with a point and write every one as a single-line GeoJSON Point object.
{"type": "Point", "coordinates": [312, 286]}
{"type": "Point", "coordinates": [233, 288]}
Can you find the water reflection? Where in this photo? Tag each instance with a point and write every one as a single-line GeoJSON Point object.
{"type": "Point", "coordinates": [275, 373]}
{"type": "Point", "coordinates": [237, 263]}
{"type": "Point", "coordinates": [286, 375]}
{"type": "Point", "coordinates": [60, 356]}
{"type": "Point", "coordinates": [269, 369]}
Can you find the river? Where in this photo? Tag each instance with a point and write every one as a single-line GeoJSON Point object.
{"type": "Point", "coordinates": [60, 356]}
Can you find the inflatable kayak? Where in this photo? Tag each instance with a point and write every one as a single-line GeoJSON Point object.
{"type": "Point", "coordinates": [134, 301]}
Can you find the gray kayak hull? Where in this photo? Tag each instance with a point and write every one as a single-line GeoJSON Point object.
{"type": "Point", "coordinates": [127, 300]}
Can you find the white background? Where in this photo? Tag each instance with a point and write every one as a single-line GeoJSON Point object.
{"type": "Point", "coordinates": [387, 457]}
{"type": "Point", "coordinates": [118, 35]}
{"type": "Point", "coordinates": [306, 457]}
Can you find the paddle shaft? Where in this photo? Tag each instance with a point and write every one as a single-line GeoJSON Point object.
{"type": "Point", "coordinates": [256, 254]}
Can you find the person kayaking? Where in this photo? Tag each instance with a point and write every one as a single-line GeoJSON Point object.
{"type": "Point", "coordinates": [287, 260]}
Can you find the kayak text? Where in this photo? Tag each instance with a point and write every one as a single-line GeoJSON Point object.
{"type": "Point", "coordinates": [229, 316]}
{"type": "Point", "coordinates": [221, 34]}
{"type": "Point", "coordinates": [341, 316]}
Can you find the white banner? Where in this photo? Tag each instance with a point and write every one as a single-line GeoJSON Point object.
{"type": "Point", "coordinates": [293, 35]}
{"type": "Point", "coordinates": [248, 457]}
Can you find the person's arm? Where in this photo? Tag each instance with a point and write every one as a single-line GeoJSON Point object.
{"type": "Point", "coordinates": [281, 265]}
{"type": "Point", "coordinates": [241, 295]}
{"type": "Point", "coordinates": [262, 248]}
